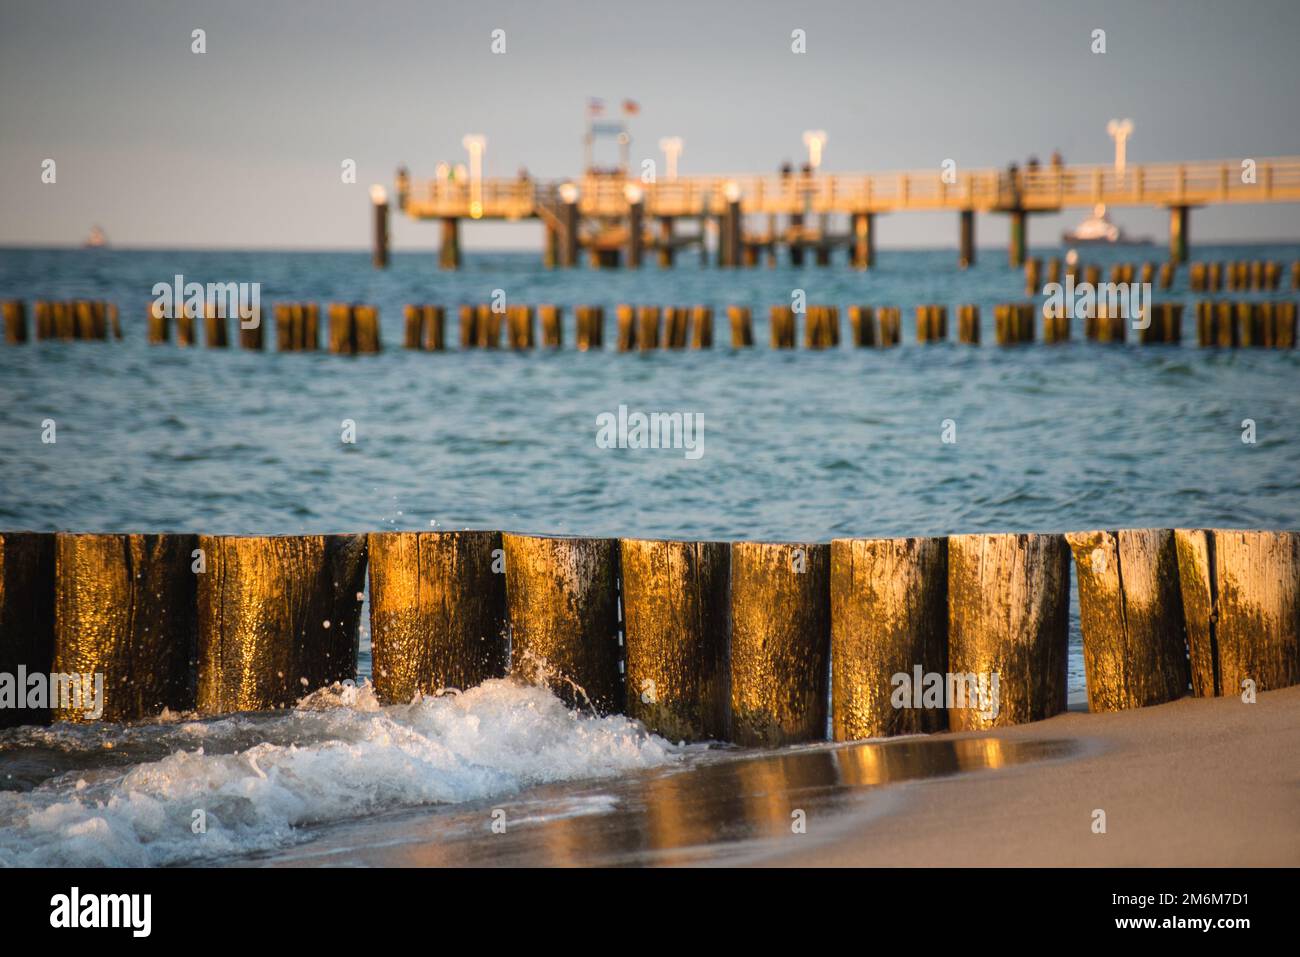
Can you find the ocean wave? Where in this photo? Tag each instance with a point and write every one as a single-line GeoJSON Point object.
{"type": "Point", "coordinates": [338, 755]}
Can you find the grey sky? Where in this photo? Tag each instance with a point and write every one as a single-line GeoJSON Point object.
{"type": "Point", "coordinates": [242, 146]}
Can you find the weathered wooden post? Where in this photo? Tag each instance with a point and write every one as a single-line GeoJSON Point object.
{"type": "Point", "coordinates": [488, 326]}
{"type": "Point", "coordinates": [702, 337]}
{"type": "Point", "coordinates": [562, 598]}
{"type": "Point", "coordinates": [1167, 272]}
{"type": "Point", "coordinates": [437, 611]}
{"type": "Point", "coordinates": [435, 328]}
{"type": "Point", "coordinates": [1033, 276]}
{"type": "Point", "coordinates": [413, 332]}
{"type": "Point", "coordinates": [625, 315]}
{"type": "Point", "coordinates": [891, 325]}
{"type": "Point", "coordinates": [252, 335]}
{"type": "Point", "coordinates": [1019, 237]}
{"type": "Point", "coordinates": [569, 241]}
{"type": "Point", "coordinates": [590, 328]}
{"type": "Point", "coordinates": [552, 321]}
{"type": "Point", "coordinates": [366, 327]}
{"type": "Point", "coordinates": [666, 244]}
{"type": "Point", "coordinates": [306, 325]}
{"type": "Point", "coordinates": [1131, 612]}
{"type": "Point", "coordinates": [15, 319]}
{"type": "Point", "coordinates": [468, 327]}
{"type": "Point", "coordinates": [1008, 621]}
{"type": "Point", "coordinates": [520, 331]}
{"type": "Point", "coordinates": [277, 618]}
{"type": "Point", "coordinates": [742, 326]}
{"type": "Point", "coordinates": [968, 324]}
{"type": "Point", "coordinates": [648, 328]}
{"type": "Point", "coordinates": [43, 319]}
{"type": "Point", "coordinates": [1241, 598]}
{"type": "Point", "coordinates": [889, 617]}
{"type": "Point", "coordinates": [125, 609]}
{"type": "Point", "coordinates": [675, 606]}
{"type": "Point", "coordinates": [343, 333]}
{"type": "Point", "coordinates": [216, 334]}
{"type": "Point", "coordinates": [186, 325]}
{"type": "Point", "coordinates": [26, 620]}
{"type": "Point", "coordinates": [635, 226]}
{"type": "Point", "coordinates": [1179, 220]}
{"type": "Point", "coordinates": [1056, 323]}
{"type": "Point", "coordinates": [159, 323]}
{"type": "Point", "coordinates": [677, 325]}
{"type": "Point", "coordinates": [780, 642]}
{"type": "Point", "coordinates": [782, 324]}
{"type": "Point", "coordinates": [862, 326]}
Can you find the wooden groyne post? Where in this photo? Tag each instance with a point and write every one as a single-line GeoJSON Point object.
{"type": "Point", "coordinates": [26, 616]}
{"type": "Point", "coordinates": [125, 609]}
{"type": "Point", "coordinates": [277, 618]}
{"type": "Point", "coordinates": [1008, 606]}
{"type": "Point", "coordinates": [15, 321]}
{"type": "Point", "coordinates": [675, 609]}
{"type": "Point", "coordinates": [1241, 600]}
{"type": "Point", "coordinates": [742, 326]}
{"type": "Point", "coordinates": [1131, 613]}
{"type": "Point", "coordinates": [437, 611]}
{"type": "Point", "coordinates": [562, 601]}
{"type": "Point", "coordinates": [780, 642]}
{"type": "Point", "coordinates": [889, 616]}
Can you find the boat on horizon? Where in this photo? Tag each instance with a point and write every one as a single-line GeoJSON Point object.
{"type": "Point", "coordinates": [1098, 230]}
{"type": "Point", "coordinates": [96, 240]}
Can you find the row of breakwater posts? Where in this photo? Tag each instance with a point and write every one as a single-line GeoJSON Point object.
{"type": "Point", "coordinates": [749, 642]}
{"type": "Point", "coordinates": [1257, 275]}
{"type": "Point", "coordinates": [355, 329]}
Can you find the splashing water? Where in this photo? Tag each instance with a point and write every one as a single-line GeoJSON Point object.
{"type": "Point", "coordinates": [256, 781]}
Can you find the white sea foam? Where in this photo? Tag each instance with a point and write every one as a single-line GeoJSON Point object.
{"type": "Point", "coordinates": [338, 755]}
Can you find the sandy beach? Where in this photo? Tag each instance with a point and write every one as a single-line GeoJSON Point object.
{"type": "Point", "coordinates": [1197, 782]}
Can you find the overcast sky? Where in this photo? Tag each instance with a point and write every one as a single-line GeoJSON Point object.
{"type": "Point", "coordinates": [242, 145]}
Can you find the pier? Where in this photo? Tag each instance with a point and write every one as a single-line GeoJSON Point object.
{"type": "Point", "coordinates": [617, 220]}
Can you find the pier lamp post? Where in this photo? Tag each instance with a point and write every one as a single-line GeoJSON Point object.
{"type": "Point", "coordinates": [475, 143]}
{"type": "Point", "coordinates": [672, 147]}
{"type": "Point", "coordinates": [569, 222]}
{"type": "Point", "coordinates": [1119, 131]}
{"type": "Point", "coordinates": [814, 140]}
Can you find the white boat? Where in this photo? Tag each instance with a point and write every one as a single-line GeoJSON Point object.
{"type": "Point", "coordinates": [96, 239]}
{"type": "Point", "coordinates": [1097, 229]}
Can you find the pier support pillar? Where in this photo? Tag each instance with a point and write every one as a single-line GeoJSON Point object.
{"type": "Point", "coordinates": [569, 235]}
{"type": "Point", "coordinates": [1179, 219]}
{"type": "Point", "coordinates": [551, 249]}
{"type": "Point", "coordinates": [635, 226]}
{"type": "Point", "coordinates": [864, 240]}
{"type": "Point", "coordinates": [380, 204]}
{"type": "Point", "coordinates": [966, 256]}
{"type": "Point", "coordinates": [665, 242]}
{"type": "Point", "coordinates": [796, 242]}
{"type": "Point", "coordinates": [1019, 237]}
{"type": "Point", "coordinates": [449, 251]}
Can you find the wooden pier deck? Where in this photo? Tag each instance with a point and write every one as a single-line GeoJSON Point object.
{"type": "Point", "coordinates": [613, 214]}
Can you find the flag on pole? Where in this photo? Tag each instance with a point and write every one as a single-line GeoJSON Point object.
{"type": "Point", "coordinates": [595, 106]}
{"type": "Point", "coordinates": [630, 107]}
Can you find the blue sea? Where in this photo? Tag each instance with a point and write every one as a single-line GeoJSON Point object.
{"type": "Point", "coordinates": [797, 445]}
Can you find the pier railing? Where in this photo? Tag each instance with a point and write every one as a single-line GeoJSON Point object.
{"type": "Point", "coordinates": [1045, 188]}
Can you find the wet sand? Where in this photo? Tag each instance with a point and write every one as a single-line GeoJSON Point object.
{"type": "Point", "coordinates": [1197, 782]}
